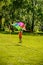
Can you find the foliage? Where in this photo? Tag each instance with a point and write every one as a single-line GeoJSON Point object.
{"type": "Point", "coordinates": [22, 10]}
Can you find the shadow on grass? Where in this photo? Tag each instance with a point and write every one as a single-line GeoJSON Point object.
{"type": "Point", "coordinates": [24, 33]}
{"type": "Point", "coordinates": [6, 32]}
{"type": "Point", "coordinates": [18, 45]}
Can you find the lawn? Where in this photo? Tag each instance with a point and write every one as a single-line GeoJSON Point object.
{"type": "Point", "coordinates": [29, 52]}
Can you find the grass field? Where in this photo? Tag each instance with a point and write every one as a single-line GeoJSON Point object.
{"type": "Point", "coordinates": [29, 52]}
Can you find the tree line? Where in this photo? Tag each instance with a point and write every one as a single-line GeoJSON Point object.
{"type": "Point", "coordinates": [28, 11]}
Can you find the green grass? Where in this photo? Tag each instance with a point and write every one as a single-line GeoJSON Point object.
{"type": "Point", "coordinates": [29, 52]}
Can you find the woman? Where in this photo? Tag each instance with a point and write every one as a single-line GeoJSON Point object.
{"type": "Point", "coordinates": [20, 36]}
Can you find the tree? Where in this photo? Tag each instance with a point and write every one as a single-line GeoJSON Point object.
{"type": "Point", "coordinates": [22, 10]}
{"type": "Point", "coordinates": [0, 22]}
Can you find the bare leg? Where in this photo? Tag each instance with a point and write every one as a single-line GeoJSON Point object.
{"type": "Point", "coordinates": [20, 40]}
